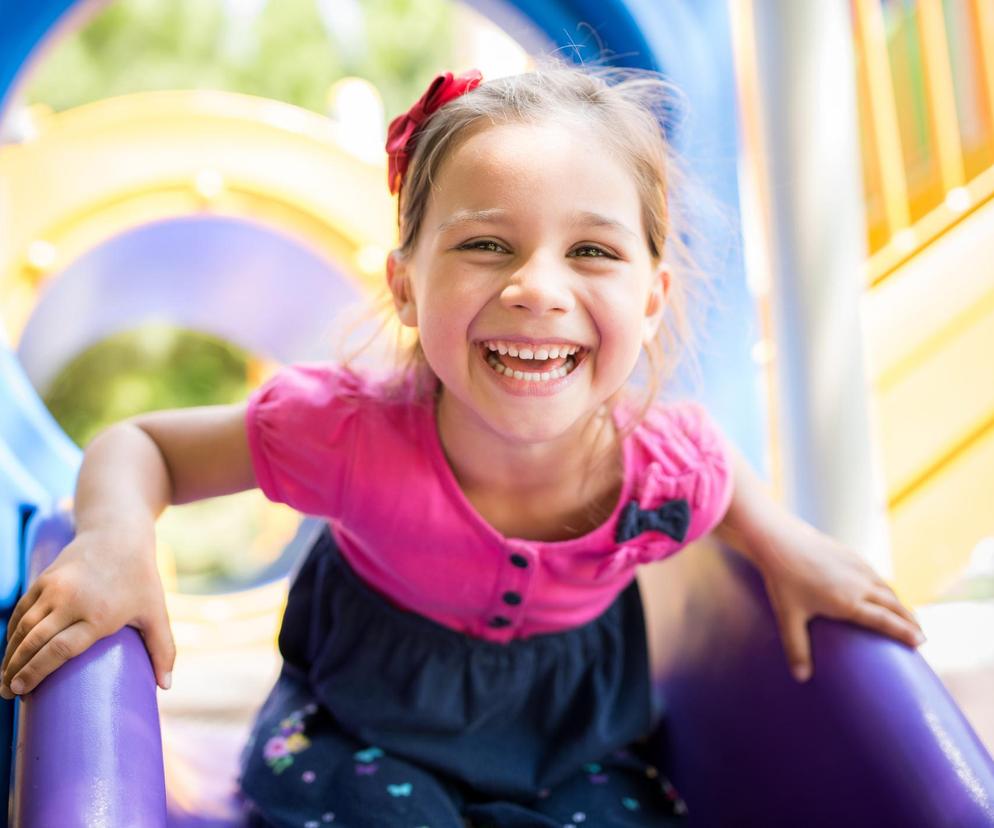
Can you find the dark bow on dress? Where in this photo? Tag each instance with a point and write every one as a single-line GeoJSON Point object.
{"type": "Point", "coordinates": [672, 518]}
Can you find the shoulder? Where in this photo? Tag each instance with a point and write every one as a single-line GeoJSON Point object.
{"type": "Point", "coordinates": [312, 425]}
{"type": "Point", "coordinates": [320, 403]}
{"type": "Point", "coordinates": [681, 437]}
{"type": "Point", "coordinates": [320, 388]}
{"type": "Point", "coordinates": [681, 471]}
{"type": "Point", "coordinates": [312, 382]}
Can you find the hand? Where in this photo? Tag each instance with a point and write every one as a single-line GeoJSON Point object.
{"type": "Point", "coordinates": [102, 581]}
{"type": "Point", "coordinates": [808, 573]}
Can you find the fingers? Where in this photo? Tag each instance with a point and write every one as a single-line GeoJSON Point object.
{"type": "Point", "coordinates": [796, 644]}
{"type": "Point", "coordinates": [26, 603]}
{"type": "Point", "coordinates": [884, 620]}
{"type": "Point", "coordinates": [32, 632]}
{"type": "Point", "coordinates": [161, 649]}
{"type": "Point", "coordinates": [885, 596]}
{"type": "Point", "coordinates": [44, 649]}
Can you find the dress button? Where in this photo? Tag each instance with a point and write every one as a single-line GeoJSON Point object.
{"type": "Point", "coordinates": [512, 598]}
{"type": "Point", "coordinates": [499, 621]}
{"type": "Point", "coordinates": [519, 560]}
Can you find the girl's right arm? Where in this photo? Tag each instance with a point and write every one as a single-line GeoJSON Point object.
{"type": "Point", "coordinates": [106, 577]}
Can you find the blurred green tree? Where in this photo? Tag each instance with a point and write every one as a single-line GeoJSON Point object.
{"type": "Point", "coordinates": [151, 367]}
{"type": "Point", "coordinates": [289, 50]}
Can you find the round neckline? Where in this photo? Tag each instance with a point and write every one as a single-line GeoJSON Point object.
{"type": "Point", "coordinates": [458, 497]}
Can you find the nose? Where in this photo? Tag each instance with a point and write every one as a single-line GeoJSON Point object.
{"type": "Point", "coordinates": [540, 285]}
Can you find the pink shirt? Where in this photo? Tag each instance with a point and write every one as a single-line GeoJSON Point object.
{"type": "Point", "coordinates": [331, 443]}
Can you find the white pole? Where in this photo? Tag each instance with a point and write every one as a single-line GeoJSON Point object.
{"type": "Point", "coordinates": [813, 188]}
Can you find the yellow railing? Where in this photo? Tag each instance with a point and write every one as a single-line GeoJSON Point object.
{"type": "Point", "coordinates": [925, 80]}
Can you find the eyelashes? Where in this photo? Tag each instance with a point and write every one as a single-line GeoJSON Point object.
{"type": "Point", "coordinates": [490, 246]}
{"type": "Point", "coordinates": [485, 245]}
{"type": "Point", "coordinates": [600, 252]}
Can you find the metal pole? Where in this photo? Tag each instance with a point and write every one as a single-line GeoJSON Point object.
{"type": "Point", "coordinates": [816, 236]}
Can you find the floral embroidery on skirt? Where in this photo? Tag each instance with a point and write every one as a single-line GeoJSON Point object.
{"type": "Point", "coordinates": [288, 738]}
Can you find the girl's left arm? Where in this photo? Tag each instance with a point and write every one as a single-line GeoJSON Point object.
{"type": "Point", "coordinates": [807, 573]}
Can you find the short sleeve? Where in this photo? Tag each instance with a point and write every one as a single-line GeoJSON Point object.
{"type": "Point", "coordinates": [688, 459]}
{"type": "Point", "coordinates": [301, 426]}
{"type": "Point", "coordinates": [713, 468]}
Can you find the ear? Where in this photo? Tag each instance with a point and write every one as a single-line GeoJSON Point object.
{"type": "Point", "coordinates": [656, 302]}
{"type": "Point", "coordinates": [398, 279]}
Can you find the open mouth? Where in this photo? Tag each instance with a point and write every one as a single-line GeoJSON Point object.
{"type": "Point", "coordinates": [533, 363]}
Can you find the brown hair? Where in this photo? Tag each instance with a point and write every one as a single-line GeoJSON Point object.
{"type": "Point", "coordinates": [631, 108]}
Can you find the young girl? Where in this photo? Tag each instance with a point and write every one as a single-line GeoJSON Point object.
{"type": "Point", "coordinates": [466, 645]}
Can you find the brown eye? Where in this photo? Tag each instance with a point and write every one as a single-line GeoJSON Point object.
{"type": "Point", "coordinates": [588, 251]}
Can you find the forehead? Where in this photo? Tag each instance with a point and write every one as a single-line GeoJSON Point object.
{"type": "Point", "coordinates": [531, 168]}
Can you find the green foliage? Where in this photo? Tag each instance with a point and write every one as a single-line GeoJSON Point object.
{"type": "Point", "coordinates": [286, 52]}
{"type": "Point", "coordinates": [152, 367]}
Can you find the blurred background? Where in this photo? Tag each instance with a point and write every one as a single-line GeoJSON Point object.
{"type": "Point", "coordinates": [174, 174]}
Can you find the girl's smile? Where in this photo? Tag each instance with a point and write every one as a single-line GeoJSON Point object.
{"type": "Point", "coordinates": [530, 368]}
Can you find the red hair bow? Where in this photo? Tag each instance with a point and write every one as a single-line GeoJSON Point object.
{"type": "Point", "coordinates": [400, 145]}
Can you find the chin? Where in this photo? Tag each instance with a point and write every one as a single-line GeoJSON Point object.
{"type": "Point", "coordinates": [525, 428]}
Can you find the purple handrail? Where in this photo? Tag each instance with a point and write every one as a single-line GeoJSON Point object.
{"type": "Point", "coordinates": [89, 749]}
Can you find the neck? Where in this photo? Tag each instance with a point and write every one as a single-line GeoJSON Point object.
{"type": "Point", "coordinates": [551, 490]}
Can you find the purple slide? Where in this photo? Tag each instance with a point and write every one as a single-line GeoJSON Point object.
{"type": "Point", "coordinates": [872, 740]}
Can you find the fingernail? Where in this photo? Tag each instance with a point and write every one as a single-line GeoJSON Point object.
{"type": "Point", "coordinates": [17, 686]}
{"type": "Point", "coordinates": [167, 681]}
{"type": "Point", "coordinates": [920, 639]}
{"type": "Point", "coordinates": [802, 672]}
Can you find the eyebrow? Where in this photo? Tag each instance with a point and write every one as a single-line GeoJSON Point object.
{"type": "Point", "coordinates": [498, 216]}
{"type": "Point", "coordinates": [473, 217]}
{"type": "Point", "coordinates": [597, 220]}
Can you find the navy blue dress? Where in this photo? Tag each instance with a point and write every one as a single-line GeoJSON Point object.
{"type": "Point", "coordinates": [382, 717]}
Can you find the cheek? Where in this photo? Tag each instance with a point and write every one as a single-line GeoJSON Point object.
{"type": "Point", "coordinates": [443, 325]}
{"type": "Point", "coordinates": [448, 309]}
{"type": "Point", "coordinates": [617, 315]}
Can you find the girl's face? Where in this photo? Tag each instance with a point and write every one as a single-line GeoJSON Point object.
{"type": "Point", "coordinates": [532, 243]}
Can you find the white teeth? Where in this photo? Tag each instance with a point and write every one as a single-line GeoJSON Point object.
{"type": "Point", "coordinates": [525, 352]}
{"type": "Point", "coordinates": [531, 376]}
